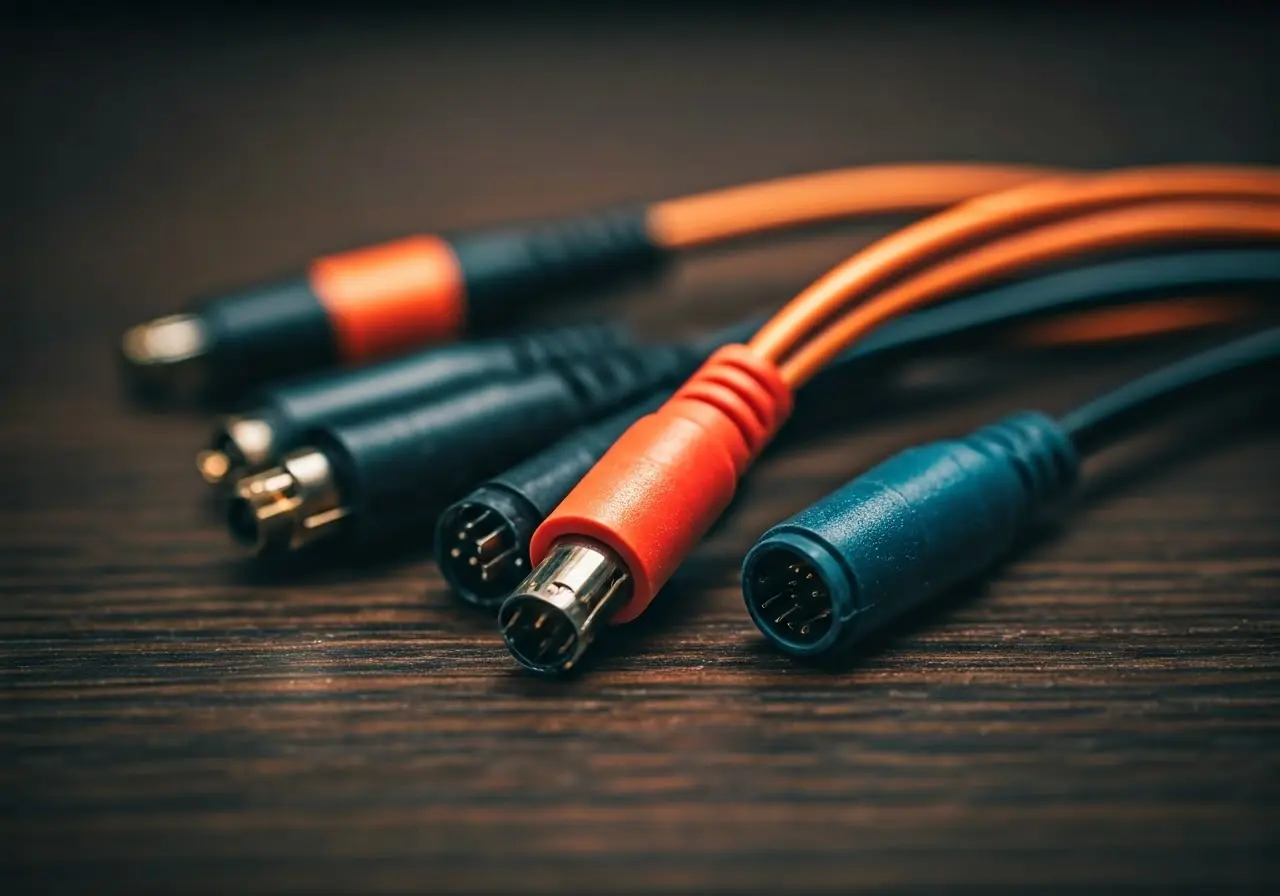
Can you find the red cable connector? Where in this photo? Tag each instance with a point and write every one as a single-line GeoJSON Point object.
{"type": "Point", "coordinates": [611, 545]}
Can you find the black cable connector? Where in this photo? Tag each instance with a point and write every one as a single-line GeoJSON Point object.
{"type": "Point", "coordinates": [380, 301]}
{"type": "Point", "coordinates": [256, 439]}
{"type": "Point", "coordinates": [482, 541]}
{"type": "Point", "coordinates": [379, 479]}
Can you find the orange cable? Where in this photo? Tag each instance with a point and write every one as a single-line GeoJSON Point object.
{"type": "Point", "coordinates": [1138, 321]}
{"type": "Point", "coordinates": [989, 216]}
{"type": "Point", "coordinates": [785, 202]}
{"type": "Point", "coordinates": [1124, 228]}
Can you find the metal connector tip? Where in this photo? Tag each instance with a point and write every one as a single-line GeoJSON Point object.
{"type": "Point", "coordinates": [165, 340]}
{"type": "Point", "coordinates": [165, 354]}
{"type": "Point", "coordinates": [481, 554]}
{"type": "Point", "coordinates": [287, 507]}
{"type": "Point", "coordinates": [240, 445]}
{"type": "Point", "coordinates": [555, 614]}
{"type": "Point", "coordinates": [215, 466]}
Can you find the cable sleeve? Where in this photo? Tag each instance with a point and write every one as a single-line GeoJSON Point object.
{"type": "Point", "coordinates": [1106, 419]}
{"type": "Point", "coordinates": [506, 267]}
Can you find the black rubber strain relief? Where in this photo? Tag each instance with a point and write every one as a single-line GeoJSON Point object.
{"type": "Point", "coordinates": [1044, 460]}
{"type": "Point", "coordinates": [628, 375]}
{"type": "Point", "coordinates": [505, 267]}
{"type": "Point", "coordinates": [534, 351]}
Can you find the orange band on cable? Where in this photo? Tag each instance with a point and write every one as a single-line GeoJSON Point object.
{"type": "Point", "coordinates": [391, 297]}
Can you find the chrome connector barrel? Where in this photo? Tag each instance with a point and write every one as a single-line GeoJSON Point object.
{"type": "Point", "coordinates": [287, 507]}
{"type": "Point", "coordinates": [557, 612]}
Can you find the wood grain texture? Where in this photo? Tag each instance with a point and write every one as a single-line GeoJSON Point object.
{"type": "Point", "coordinates": [1104, 710]}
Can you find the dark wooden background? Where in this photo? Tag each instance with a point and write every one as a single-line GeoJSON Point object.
{"type": "Point", "coordinates": [1105, 710]}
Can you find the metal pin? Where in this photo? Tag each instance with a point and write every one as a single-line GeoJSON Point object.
{"type": "Point", "coordinates": [497, 561]}
{"type": "Point", "coordinates": [455, 552]}
{"type": "Point", "coordinates": [515, 617]}
{"type": "Point", "coordinates": [541, 620]}
{"type": "Point", "coordinates": [808, 623]}
{"type": "Point", "coordinates": [471, 524]}
{"type": "Point", "coordinates": [786, 613]}
{"type": "Point", "coordinates": [487, 542]}
{"type": "Point", "coordinates": [771, 600]}
{"type": "Point", "coordinates": [543, 645]}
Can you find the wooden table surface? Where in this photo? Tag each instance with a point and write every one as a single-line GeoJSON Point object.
{"type": "Point", "coordinates": [1106, 709]}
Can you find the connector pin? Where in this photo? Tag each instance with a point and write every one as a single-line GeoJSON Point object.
{"type": "Point", "coordinates": [498, 563]}
{"type": "Point", "coordinates": [471, 524]}
{"type": "Point", "coordinates": [807, 625]}
{"type": "Point", "coordinates": [486, 544]}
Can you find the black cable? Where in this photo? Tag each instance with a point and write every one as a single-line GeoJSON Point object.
{"type": "Point", "coordinates": [1076, 289]}
{"type": "Point", "coordinates": [1108, 418]}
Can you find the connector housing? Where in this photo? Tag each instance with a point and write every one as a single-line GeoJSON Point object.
{"type": "Point", "coordinates": [379, 301]}
{"type": "Point", "coordinates": [482, 541]}
{"type": "Point", "coordinates": [282, 414]}
{"type": "Point", "coordinates": [659, 488]}
{"type": "Point", "coordinates": [902, 533]}
{"type": "Point", "coordinates": [397, 471]}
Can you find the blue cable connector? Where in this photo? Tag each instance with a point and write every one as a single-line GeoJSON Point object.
{"type": "Point", "coordinates": [903, 533]}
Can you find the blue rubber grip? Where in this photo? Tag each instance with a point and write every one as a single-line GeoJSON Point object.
{"type": "Point", "coordinates": [910, 528]}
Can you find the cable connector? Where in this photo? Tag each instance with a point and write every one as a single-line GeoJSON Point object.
{"type": "Point", "coordinates": [482, 541]}
{"type": "Point", "coordinates": [288, 507]}
{"type": "Point", "coordinates": [903, 533]}
{"type": "Point", "coordinates": [392, 474]}
{"type": "Point", "coordinates": [380, 301]}
{"type": "Point", "coordinates": [651, 498]}
{"type": "Point", "coordinates": [256, 439]}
